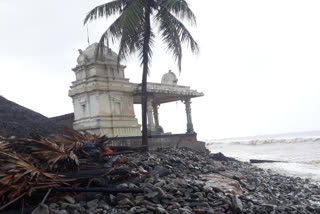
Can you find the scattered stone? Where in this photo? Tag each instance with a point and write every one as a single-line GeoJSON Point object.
{"type": "Point", "coordinates": [199, 184]}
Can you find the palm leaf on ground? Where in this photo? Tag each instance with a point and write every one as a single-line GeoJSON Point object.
{"type": "Point", "coordinates": [18, 175]}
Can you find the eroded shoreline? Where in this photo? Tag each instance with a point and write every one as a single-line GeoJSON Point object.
{"type": "Point", "coordinates": [198, 183]}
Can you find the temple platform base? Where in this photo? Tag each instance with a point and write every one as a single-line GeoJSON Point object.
{"type": "Point", "coordinates": [163, 141]}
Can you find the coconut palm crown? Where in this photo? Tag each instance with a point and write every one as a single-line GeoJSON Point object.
{"type": "Point", "coordinates": [135, 33]}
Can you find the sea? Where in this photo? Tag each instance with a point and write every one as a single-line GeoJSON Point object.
{"type": "Point", "coordinates": [299, 153]}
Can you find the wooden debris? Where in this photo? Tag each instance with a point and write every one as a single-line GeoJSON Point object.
{"type": "Point", "coordinates": [35, 163]}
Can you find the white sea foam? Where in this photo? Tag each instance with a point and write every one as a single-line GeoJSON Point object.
{"type": "Point", "coordinates": [301, 155]}
{"type": "Point", "coordinates": [263, 141]}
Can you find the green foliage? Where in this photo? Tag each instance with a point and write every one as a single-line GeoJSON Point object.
{"type": "Point", "coordinates": [129, 27]}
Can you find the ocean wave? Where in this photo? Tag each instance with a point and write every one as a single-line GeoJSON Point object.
{"type": "Point", "coordinates": [312, 162]}
{"type": "Point", "coordinates": [264, 141]}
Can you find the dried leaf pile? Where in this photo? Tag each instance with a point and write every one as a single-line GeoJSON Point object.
{"type": "Point", "coordinates": [36, 162]}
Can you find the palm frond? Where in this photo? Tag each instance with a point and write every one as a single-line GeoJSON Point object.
{"type": "Point", "coordinates": [4, 146]}
{"type": "Point", "coordinates": [45, 154]}
{"type": "Point", "coordinates": [53, 153]}
{"type": "Point", "coordinates": [17, 175]}
{"type": "Point", "coordinates": [170, 36]}
{"type": "Point", "coordinates": [105, 10]}
{"type": "Point", "coordinates": [127, 28]}
{"type": "Point", "coordinates": [180, 8]}
{"type": "Point", "coordinates": [174, 33]}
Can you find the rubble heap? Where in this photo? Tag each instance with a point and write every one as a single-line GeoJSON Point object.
{"type": "Point", "coordinates": [113, 180]}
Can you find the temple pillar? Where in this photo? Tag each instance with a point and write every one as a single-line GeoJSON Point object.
{"type": "Point", "coordinates": [187, 103]}
{"type": "Point", "coordinates": [151, 126]}
{"type": "Point", "coordinates": [158, 128]}
{"type": "Point", "coordinates": [156, 115]}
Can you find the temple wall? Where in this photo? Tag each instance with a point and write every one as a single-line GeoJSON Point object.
{"type": "Point", "coordinates": [102, 96]}
{"type": "Point", "coordinates": [163, 141]}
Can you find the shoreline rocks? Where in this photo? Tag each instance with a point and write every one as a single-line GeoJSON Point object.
{"type": "Point", "coordinates": [198, 183]}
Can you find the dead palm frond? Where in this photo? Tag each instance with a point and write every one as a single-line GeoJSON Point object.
{"type": "Point", "coordinates": [45, 154]}
{"type": "Point", "coordinates": [74, 141]}
{"type": "Point", "coordinates": [18, 175]}
{"type": "Point", "coordinates": [4, 146]}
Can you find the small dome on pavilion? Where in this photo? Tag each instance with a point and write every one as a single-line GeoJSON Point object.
{"type": "Point", "coordinates": [89, 55]}
{"type": "Point", "coordinates": [169, 78]}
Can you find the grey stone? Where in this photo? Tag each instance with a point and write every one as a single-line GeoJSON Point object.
{"type": "Point", "coordinates": [63, 212]}
{"type": "Point", "coordinates": [104, 205]}
{"type": "Point", "coordinates": [132, 210]}
{"type": "Point", "coordinates": [176, 206]}
{"type": "Point", "coordinates": [210, 211]}
{"type": "Point", "coordinates": [63, 205]}
{"type": "Point", "coordinates": [113, 199]}
{"type": "Point", "coordinates": [92, 204]}
{"type": "Point", "coordinates": [185, 211]}
{"type": "Point", "coordinates": [160, 210]}
{"type": "Point", "coordinates": [151, 195]}
{"type": "Point", "coordinates": [180, 182]}
{"type": "Point", "coordinates": [131, 185]}
{"type": "Point", "coordinates": [91, 211]}
{"type": "Point", "coordinates": [236, 203]}
{"type": "Point", "coordinates": [69, 199]}
{"type": "Point", "coordinates": [123, 185]}
{"type": "Point", "coordinates": [142, 210]}
{"type": "Point", "coordinates": [53, 206]}
{"type": "Point", "coordinates": [54, 211]}
{"type": "Point", "coordinates": [41, 209]}
{"type": "Point", "coordinates": [121, 196]}
{"type": "Point", "coordinates": [269, 207]}
{"type": "Point", "coordinates": [126, 201]}
{"type": "Point", "coordinates": [151, 208]}
{"type": "Point", "coordinates": [113, 211]}
{"type": "Point", "coordinates": [174, 211]}
{"type": "Point", "coordinates": [161, 192]}
{"type": "Point", "coordinates": [74, 206]}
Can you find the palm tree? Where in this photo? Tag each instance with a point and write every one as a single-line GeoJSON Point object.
{"type": "Point", "coordinates": [134, 31]}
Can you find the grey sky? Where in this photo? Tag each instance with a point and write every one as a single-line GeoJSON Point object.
{"type": "Point", "coordinates": [258, 66]}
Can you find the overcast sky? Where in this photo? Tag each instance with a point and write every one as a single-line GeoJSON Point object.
{"type": "Point", "coordinates": [259, 64]}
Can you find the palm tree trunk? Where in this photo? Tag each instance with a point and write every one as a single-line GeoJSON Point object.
{"type": "Point", "coordinates": [145, 62]}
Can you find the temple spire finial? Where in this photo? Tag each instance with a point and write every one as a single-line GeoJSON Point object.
{"type": "Point", "coordinates": [88, 35]}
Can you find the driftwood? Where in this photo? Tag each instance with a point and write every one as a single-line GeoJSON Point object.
{"type": "Point", "coordinates": [118, 153]}
{"type": "Point", "coordinates": [95, 172]}
{"type": "Point", "coordinates": [128, 148]}
{"type": "Point", "coordinates": [264, 161]}
{"type": "Point", "coordinates": [97, 189]}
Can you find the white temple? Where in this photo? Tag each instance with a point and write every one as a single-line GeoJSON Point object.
{"type": "Point", "coordinates": [103, 98]}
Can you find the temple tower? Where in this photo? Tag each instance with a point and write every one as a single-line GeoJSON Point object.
{"type": "Point", "coordinates": [102, 96]}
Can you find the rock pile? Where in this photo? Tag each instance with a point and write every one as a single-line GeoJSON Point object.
{"type": "Point", "coordinates": [183, 182]}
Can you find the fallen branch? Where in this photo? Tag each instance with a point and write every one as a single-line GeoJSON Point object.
{"type": "Point", "coordinates": [12, 201]}
{"type": "Point", "coordinates": [118, 153]}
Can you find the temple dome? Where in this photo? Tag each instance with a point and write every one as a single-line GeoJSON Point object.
{"type": "Point", "coordinates": [88, 56]}
{"type": "Point", "coordinates": [169, 78]}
